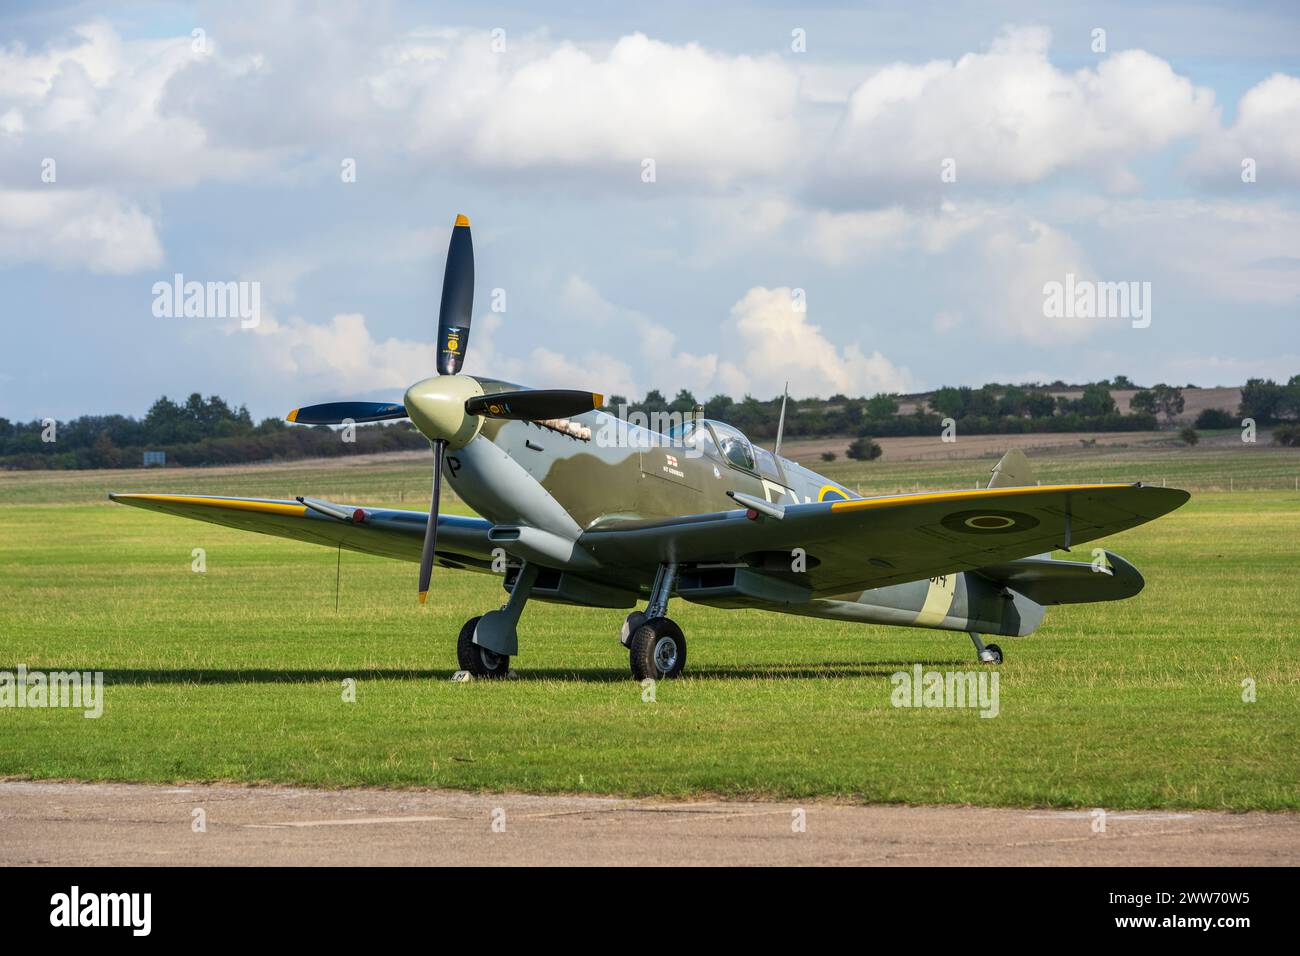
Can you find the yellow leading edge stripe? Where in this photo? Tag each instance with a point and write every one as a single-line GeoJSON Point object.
{"type": "Point", "coordinates": [263, 507]}
{"type": "Point", "coordinates": [859, 504]}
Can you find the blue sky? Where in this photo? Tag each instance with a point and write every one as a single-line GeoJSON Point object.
{"type": "Point", "coordinates": [780, 176]}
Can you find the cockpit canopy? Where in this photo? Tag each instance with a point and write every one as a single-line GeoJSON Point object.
{"type": "Point", "coordinates": [727, 443]}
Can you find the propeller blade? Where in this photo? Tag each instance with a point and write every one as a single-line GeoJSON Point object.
{"type": "Point", "coordinates": [431, 529]}
{"type": "Point", "coordinates": [457, 300]}
{"type": "Point", "coordinates": [334, 413]}
{"type": "Point", "coordinates": [535, 405]}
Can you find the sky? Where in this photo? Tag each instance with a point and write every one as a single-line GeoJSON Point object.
{"type": "Point", "coordinates": [853, 198]}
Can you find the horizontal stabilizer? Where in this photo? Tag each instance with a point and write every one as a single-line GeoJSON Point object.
{"type": "Point", "coordinates": [1048, 581]}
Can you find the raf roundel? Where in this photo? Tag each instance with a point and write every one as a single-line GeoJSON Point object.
{"type": "Point", "coordinates": [989, 522]}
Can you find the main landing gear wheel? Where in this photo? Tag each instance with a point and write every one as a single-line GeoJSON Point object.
{"type": "Point", "coordinates": [657, 650]}
{"type": "Point", "coordinates": [479, 661]}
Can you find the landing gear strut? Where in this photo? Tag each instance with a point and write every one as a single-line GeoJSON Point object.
{"type": "Point", "coordinates": [656, 645]}
{"type": "Point", "coordinates": [988, 654]}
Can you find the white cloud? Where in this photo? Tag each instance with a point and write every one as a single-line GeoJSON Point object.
{"type": "Point", "coordinates": [95, 104]}
{"type": "Point", "coordinates": [1266, 129]}
{"type": "Point", "coordinates": [130, 121]}
{"type": "Point", "coordinates": [772, 344]}
{"type": "Point", "coordinates": [664, 365]}
{"type": "Point", "coordinates": [87, 229]}
{"type": "Point", "coordinates": [343, 359]}
{"type": "Point", "coordinates": [844, 237]}
{"type": "Point", "coordinates": [991, 261]}
{"type": "Point", "coordinates": [778, 343]}
{"type": "Point", "coordinates": [703, 116]}
{"type": "Point", "coordinates": [838, 237]}
{"type": "Point", "coordinates": [1016, 259]}
{"type": "Point", "coordinates": [710, 114]}
{"type": "Point", "coordinates": [1231, 251]}
{"type": "Point", "coordinates": [266, 99]}
{"type": "Point", "coordinates": [1009, 116]}
{"type": "Point", "coordinates": [541, 367]}
{"type": "Point", "coordinates": [584, 303]}
{"type": "Point", "coordinates": [334, 361]}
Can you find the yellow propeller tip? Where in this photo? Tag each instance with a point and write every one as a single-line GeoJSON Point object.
{"type": "Point", "coordinates": [462, 220]}
{"type": "Point", "coordinates": [293, 415]}
{"type": "Point", "coordinates": [423, 596]}
{"type": "Point", "coordinates": [598, 399]}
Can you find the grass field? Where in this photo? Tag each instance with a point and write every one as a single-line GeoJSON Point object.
{"type": "Point", "coordinates": [235, 674]}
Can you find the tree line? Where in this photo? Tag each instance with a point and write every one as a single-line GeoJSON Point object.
{"type": "Point", "coordinates": [209, 431]}
{"type": "Point", "coordinates": [991, 409]}
{"type": "Point", "coordinates": [198, 431]}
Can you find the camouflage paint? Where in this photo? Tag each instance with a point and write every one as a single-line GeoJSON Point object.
{"type": "Point", "coordinates": [627, 472]}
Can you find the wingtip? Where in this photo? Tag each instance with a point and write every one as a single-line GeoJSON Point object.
{"type": "Point", "coordinates": [462, 220]}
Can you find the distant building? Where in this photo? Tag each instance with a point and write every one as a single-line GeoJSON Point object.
{"type": "Point", "coordinates": [155, 458]}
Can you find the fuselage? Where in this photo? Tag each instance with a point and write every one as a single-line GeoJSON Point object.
{"type": "Point", "coordinates": [599, 467]}
{"type": "Point", "coordinates": [544, 485]}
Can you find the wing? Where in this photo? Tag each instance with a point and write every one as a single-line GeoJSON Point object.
{"type": "Point", "coordinates": [872, 542]}
{"type": "Point", "coordinates": [462, 542]}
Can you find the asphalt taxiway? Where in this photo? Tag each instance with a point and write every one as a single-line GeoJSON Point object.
{"type": "Point", "coordinates": [115, 824]}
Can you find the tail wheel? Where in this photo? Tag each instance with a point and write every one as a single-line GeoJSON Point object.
{"type": "Point", "coordinates": [657, 650]}
{"type": "Point", "coordinates": [479, 661]}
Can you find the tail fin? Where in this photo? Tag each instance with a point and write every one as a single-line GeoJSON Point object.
{"type": "Point", "coordinates": [1012, 471]}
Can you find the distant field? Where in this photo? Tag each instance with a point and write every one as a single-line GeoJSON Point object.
{"type": "Point", "coordinates": [235, 674]}
{"type": "Point", "coordinates": [1162, 450]}
{"type": "Point", "coordinates": [1195, 400]}
{"type": "Point", "coordinates": [1220, 461]}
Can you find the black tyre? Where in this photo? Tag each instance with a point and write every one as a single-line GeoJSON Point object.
{"type": "Point", "coordinates": [995, 651]}
{"type": "Point", "coordinates": [657, 650]}
{"type": "Point", "coordinates": [479, 661]}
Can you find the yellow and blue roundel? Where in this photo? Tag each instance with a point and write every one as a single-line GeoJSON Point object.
{"type": "Point", "coordinates": [831, 493]}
